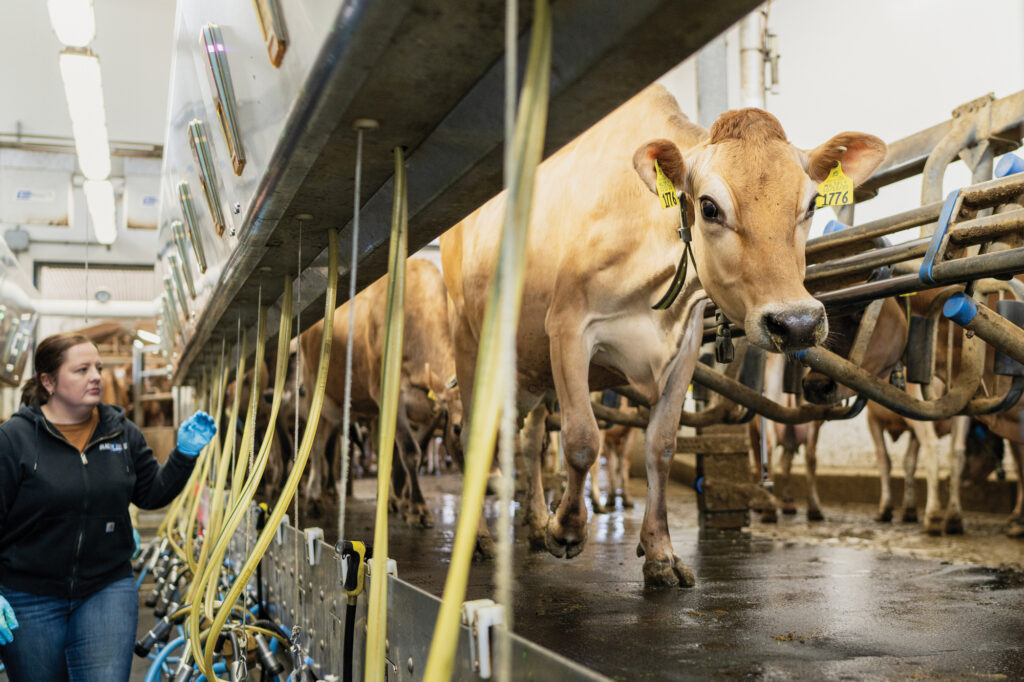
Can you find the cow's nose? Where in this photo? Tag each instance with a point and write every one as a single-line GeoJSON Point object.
{"type": "Point", "coordinates": [820, 390]}
{"type": "Point", "coordinates": [795, 329]}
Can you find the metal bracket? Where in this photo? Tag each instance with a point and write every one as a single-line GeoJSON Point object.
{"type": "Point", "coordinates": [481, 615]}
{"type": "Point", "coordinates": [312, 549]}
{"type": "Point", "coordinates": [278, 534]}
{"type": "Point", "coordinates": [392, 568]}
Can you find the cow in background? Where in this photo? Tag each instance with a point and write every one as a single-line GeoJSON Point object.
{"type": "Point", "coordinates": [617, 442]}
{"type": "Point", "coordinates": [602, 252]}
{"type": "Point", "coordinates": [428, 398]}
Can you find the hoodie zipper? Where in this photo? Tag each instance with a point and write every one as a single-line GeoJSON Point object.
{"type": "Point", "coordinates": [85, 498]}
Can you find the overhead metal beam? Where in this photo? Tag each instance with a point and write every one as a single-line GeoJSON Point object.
{"type": "Point", "coordinates": [439, 93]}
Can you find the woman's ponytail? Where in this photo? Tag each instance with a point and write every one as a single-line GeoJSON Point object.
{"type": "Point", "coordinates": [33, 392]}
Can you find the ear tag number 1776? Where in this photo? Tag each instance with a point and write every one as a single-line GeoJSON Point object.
{"type": "Point", "coordinates": [666, 190]}
{"type": "Point", "coordinates": [836, 190]}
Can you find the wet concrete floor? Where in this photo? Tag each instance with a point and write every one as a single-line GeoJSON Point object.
{"type": "Point", "coordinates": [763, 608]}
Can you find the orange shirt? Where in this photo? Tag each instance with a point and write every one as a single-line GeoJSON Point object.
{"type": "Point", "coordinates": [80, 433]}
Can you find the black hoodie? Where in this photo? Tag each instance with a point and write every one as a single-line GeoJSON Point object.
{"type": "Point", "coordinates": [64, 524]}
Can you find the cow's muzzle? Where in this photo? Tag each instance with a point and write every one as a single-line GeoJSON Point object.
{"type": "Point", "coordinates": [795, 328]}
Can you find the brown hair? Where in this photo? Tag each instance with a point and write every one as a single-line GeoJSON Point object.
{"type": "Point", "coordinates": [49, 356]}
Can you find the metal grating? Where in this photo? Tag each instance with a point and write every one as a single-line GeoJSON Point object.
{"type": "Point", "coordinates": [64, 281]}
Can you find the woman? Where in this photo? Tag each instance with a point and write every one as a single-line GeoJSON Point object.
{"type": "Point", "coordinates": [69, 466]}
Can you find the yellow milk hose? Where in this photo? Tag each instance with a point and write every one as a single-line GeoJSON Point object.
{"type": "Point", "coordinates": [206, 663]}
{"type": "Point", "coordinates": [391, 375]}
{"type": "Point", "coordinates": [527, 147]}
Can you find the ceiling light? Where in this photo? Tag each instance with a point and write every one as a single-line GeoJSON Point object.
{"type": "Point", "coordinates": [99, 197]}
{"type": "Point", "coordinates": [84, 91]}
{"type": "Point", "coordinates": [147, 336]}
{"type": "Point", "coordinates": [73, 21]}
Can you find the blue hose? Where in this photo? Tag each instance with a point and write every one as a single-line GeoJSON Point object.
{"type": "Point", "coordinates": [142, 576]}
{"type": "Point", "coordinates": [154, 670]}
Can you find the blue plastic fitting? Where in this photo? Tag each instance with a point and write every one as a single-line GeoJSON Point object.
{"type": "Point", "coordinates": [834, 226]}
{"type": "Point", "coordinates": [1008, 165]}
{"type": "Point", "coordinates": [698, 484]}
{"type": "Point", "coordinates": [961, 309]}
{"type": "Point", "coordinates": [800, 355]}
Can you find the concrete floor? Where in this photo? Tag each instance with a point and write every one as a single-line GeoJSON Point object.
{"type": "Point", "coordinates": [763, 608]}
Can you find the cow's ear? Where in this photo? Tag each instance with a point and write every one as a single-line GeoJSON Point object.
{"type": "Point", "coordinates": [859, 153]}
{"type": "Point", "coordinates": [669, 159]}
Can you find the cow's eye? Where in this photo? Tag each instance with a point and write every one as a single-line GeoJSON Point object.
{"type": "Point", "coordinates": [812, 206]}
{"type": "Point", "coordinates": [709, 209]}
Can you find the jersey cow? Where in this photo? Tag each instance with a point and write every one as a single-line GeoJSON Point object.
{"type": "Point", "coordinates": [602, 252]}
{"type": "Point", "coordinates": [425, 398]}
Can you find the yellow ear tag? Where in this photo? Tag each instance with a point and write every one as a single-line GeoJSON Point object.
{"type": "Point", "coordinates": [431, 394]}
{"type": "Point", "coordinates": [837, 190]}
{"type": "Point", "coordinates": [666, 190]}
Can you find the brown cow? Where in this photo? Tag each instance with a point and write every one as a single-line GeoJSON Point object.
{"type": "Point", "coordinates": [425, 397]}
{"type": "Point", "coordinates": [602, 252]}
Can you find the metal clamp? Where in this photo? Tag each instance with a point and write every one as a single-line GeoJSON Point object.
{"type": "Point", "coordinates": [392, 568]}
{"type": "Point", "coordinates": [481, 615]}
{"type": "Point", "coordinates": [223, 93]}
{"type": "Point", "coordinates": [932, 254]}
{"type": "Point", "coordinates": [275, 35]}
{"type": "Point", "coordinates": [188, 210]}
{"type": "Point", "coordinates": [178, 232]}
{"type": "Point", "coordinates": [197, 140]}
{"type": "Point", "coordinates": [278, 533]}
{"type": "Point", "coordinates": [312, 549]}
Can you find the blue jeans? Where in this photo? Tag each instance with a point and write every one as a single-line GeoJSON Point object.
{"type": "Point", "coordinates": [73, 640]}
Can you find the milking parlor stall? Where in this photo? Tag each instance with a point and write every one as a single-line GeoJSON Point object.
{"type": "Point", "coordinates": [546, 339]}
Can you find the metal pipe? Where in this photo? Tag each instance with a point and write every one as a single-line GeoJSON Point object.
{"type": "Point", "coordinates": [864, 263]}
{"type": "Point", "coordinates": [987, 324]}
{"type": "Point", "coordinates": [867, 384]}
{"type": "Point", "coordinates": [860, 238]}
{"type": "Point", "coordinates": [752, 60]}
{"type": "Point", "coordinates": [753, 400]}
{"type": "Point", "coordinates": [960, 135]}
{"type": "Point", "coordinates": [987, 229]}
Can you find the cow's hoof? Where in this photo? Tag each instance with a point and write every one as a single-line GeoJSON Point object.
{"type": "Point", "coordinates": [627, 502]}
{"type": "Point", "coordinates": [1015, 528]}
{"type": "Point", "coordinates": [598, 507]}
{"type": "Point", "coordinates": [788, 507]}
{"type": "Point", "coordinates": [954, 525]}
{"type": "Point", "coordinates": [814, 514]}
{"type": "Point", "coordinates": [393, 506]}
{"type": "Point", "coordinates": [538, 538]}
{"type": "Point", "coordinates": [769, 516]}
{"type": "Point", "coordinates": [418, 514]}
{"type": "Point", "coordinates": [884, 516]}
{"type": "Point", "coordinates": [567, 548]}
{"type": "Point", "coordinates": [909, 515]}
{"type": "Point", "coordinates": [485, 549]}
{"type": "Point", "coordinates": [933, 524]}
{"type": "Point", "coordinates": [670, 572]}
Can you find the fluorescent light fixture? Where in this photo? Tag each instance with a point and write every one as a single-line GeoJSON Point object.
{"type": "Point", "coordinates": [73, 21]}
{"type": "Point", "coordinates": [84, 91]}
{"type": "Point", "coordinates": [147, 336]}
{"type": "Point", "coordinates": [99, 197]}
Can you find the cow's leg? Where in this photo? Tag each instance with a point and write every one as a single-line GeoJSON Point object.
{"type": "Point", "coordinates": [595, 489]}
{"type": "Point", "coordinates": [622, 480]}
{"type": "Point", "coordinates": [581, 440]}
{"type": "Point", "coordinates": [661, 565]}
{"type": "Point", "coordinates": [531, 444]}
{"type": "Point", "coordinates": [416, 511]}
{"type": "Point", "coordinates": [925, 433]}
{"type": "Point", "coordinates": [884, 468]}
{"type": "Point", "coordinates": [777, 475]}
{"type": "Point", "coordinates": [465, 367]}
{"type": "Point", "coordinates": [909, 514]}
{"type": "Point", "coordinates": [811, 458]}
{"type": "Point", "coordinates": [318, 466]}
{"type": "Point", "coordinates": [954, 524]}
{"type": "Point", "coordinates": [1015, 525]}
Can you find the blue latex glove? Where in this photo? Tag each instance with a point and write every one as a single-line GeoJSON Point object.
{"type": "Point", "coordinates": [7, 622]}
{"type": "Point", "coordinates": [138, 543]}
{"type": "Point", "coordinates": [195, 432]}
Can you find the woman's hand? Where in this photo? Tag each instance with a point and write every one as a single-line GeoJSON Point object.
{"type": "Point", "coordinates": [7, 622]}
{"type": "Point", "coordinates": [195, 432]}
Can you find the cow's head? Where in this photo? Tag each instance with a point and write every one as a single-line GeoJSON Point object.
{"type": "Point", "coordinates": [750, 197]}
